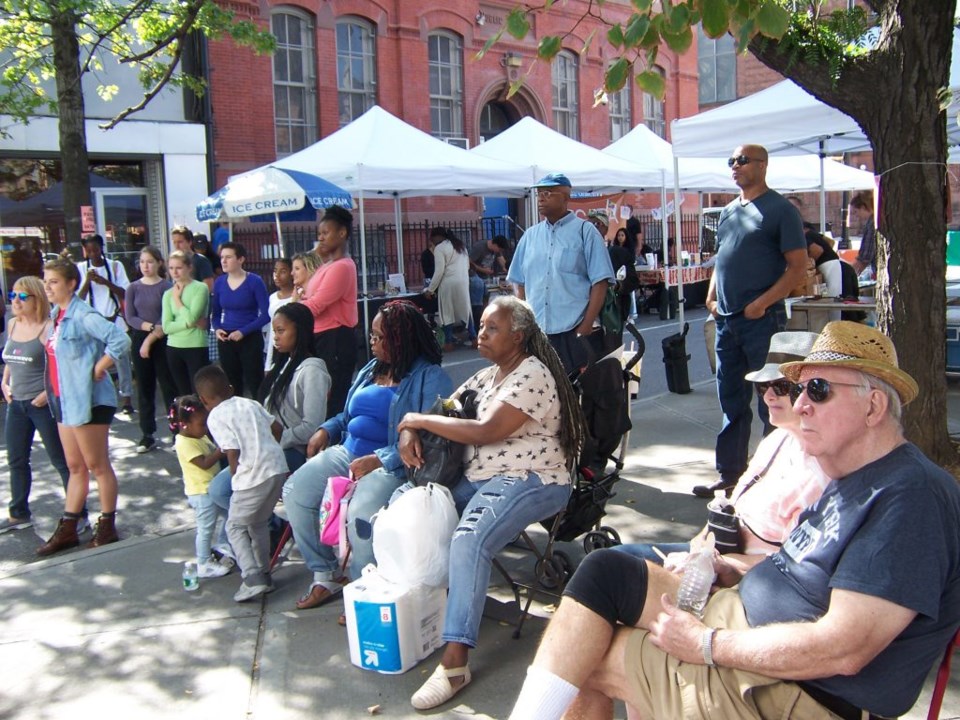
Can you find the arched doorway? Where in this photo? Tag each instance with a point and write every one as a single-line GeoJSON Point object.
{"type": "Point", "coordinates": [495, 117]}
{"type": "Point", "coordinates": [501, 215]}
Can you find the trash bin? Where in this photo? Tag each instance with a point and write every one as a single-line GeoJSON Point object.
{"type": "Point", "coordinates": [675, 361]}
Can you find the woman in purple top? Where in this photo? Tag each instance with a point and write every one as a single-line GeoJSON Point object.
{"type": "Point", "coordinates": [143, 312]}
{"type": "Point", "coordinates": [240, 304]}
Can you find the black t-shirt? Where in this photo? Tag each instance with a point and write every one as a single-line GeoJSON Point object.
{"type": "Point", "coordinates": [815, 238]}
{"type": "Point", "coordinates": [888, 530]}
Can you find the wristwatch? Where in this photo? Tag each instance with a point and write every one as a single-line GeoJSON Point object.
{"type": "Point", "coordinates": [706, 645]}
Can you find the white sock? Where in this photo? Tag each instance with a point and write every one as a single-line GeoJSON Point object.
{"type": "Point", "coordinates": [544, 696]}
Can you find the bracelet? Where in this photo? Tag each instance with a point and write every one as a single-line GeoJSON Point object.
{"type": "Point", "coordinates": [706, 645]}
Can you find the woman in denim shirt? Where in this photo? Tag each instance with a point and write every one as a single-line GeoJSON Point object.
{"type": "Point", "coordinates": [404, 376]}
{"type": "Point", "coordinates": [80, 350]}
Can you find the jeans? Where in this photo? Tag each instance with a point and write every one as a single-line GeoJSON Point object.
{"type": "Point", "coordinates": [151, 371]}
{"type": "Point", "coordinates": [742, 347]}
{"type": "Point", "coordinates": [207, 513]}
{"type": "Point", "coordinates": [219, 491]}
{"type": "Point", "coordinates": [477, 289]}
{"type": "Point", "coordinates": [645, 551]}
{"type": "Point", "coordinates": [372, 493]}
{"type": "Point", "coordinates": [302, 497]}
{"type": "Point", "coordinates": [22, 420]}
{"type": "Point", "coordinates": [124, 376]}
{"type": "Point", "coordinates": [494, 512]}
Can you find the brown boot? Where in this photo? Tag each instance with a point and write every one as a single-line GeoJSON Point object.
{"type": "Point", "coordinates": [63, 538]}
{"type": "Point", "coordinates": [105, 532]}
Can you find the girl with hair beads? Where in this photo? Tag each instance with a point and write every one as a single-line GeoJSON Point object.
{"type": "Point", "coordinates": [199, 461]}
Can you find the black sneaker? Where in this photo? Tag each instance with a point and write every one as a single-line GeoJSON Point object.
{"type": "Point", "coordinates": [708, 491]}
{"type": "Point", "coordinates": [146, 444]}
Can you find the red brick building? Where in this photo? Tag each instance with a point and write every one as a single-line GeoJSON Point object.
{"type": "Point", "coordinates": [336, 58]}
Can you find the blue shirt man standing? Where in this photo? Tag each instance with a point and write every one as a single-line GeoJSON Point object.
{"type": "Point", "coordinates": [762, 256]}
{"type": "Point", "coordinates": [562, 269]}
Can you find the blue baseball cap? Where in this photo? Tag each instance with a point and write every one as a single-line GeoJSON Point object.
{"type": "Point", "coordinates": [553, 180]}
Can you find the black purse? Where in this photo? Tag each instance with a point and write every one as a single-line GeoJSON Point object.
{"type": "Point", "coordinates": [442, 458]}
{"type": "Point", "coordinates": [722, 518]}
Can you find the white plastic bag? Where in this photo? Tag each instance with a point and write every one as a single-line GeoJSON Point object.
{"type": "Point", "coordinates": [411, 537]}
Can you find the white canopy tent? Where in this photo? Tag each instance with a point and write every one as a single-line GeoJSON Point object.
{"type": "Point", "coordinates": [380, 155]}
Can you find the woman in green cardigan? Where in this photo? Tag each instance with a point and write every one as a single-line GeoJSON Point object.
{"type": "Point", "coordinates": [185, 323]}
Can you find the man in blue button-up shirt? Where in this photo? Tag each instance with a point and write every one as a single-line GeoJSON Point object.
{"type": "Point", "coordinates": [562, 268]}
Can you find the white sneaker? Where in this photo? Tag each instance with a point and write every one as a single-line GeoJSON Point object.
{"type": "Point", "coordinates": [224, 561]}
{"type": "Point", "coordinates": [249, 592]}
{"type": "Point", "coordinates": [211, 569]}
{"type": "Point", "coordinates": [83, 524]}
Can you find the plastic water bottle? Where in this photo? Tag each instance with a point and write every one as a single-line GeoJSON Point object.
{"type": "Point", "coordinates": [698, 577]}
{"type": "Point", "coordinates": [191, 580]}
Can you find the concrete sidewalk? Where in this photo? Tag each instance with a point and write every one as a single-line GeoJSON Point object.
{"type": "Point", "coordinates": [110, 631]}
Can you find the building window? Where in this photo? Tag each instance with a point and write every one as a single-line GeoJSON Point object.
{"type": "Point", "coordinates": [294, 82]}
{"type": "Point", "coordinates": [565, 94]}
{"type": "Point", "coordinates": [446, 85]}
{"type": "Point", "coordinates": [653, 112]}
{"type": "Point", "coordinates": [621, 121]}
{"type": "Point", "coordinates": [356, 68]}
{"type": "Point", "coordinates": [717, 67]}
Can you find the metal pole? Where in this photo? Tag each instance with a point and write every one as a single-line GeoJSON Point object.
{"type": "Point", "coordinates": [679, 239]}
{"type": "Point", "coordinates": [823, 192]}
{"type": "Point", "coordinates": [397, 219]}
{"type": "Point", "coordinates": [279, 234]}
{"type": "Point", "coordinates": [363, 262]}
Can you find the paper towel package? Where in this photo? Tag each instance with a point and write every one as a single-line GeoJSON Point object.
{"type": "Point", "coordinates": [390, 628]}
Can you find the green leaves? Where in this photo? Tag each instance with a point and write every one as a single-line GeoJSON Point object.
{"type": "Point", "coordinates": [637, 27]}
{"type": "Point", "coordinates": [652, 82]}
{"type": "Point", "coordinates": [714, 17]}
{"type": "Point", "coordinates": [773, 20]}
{"type": "Point", "coordinates": [549, 46]}
{"type": "Point", "coordinates": [517, 23]}
{"type": "Point", "coordinates": [617, 74]}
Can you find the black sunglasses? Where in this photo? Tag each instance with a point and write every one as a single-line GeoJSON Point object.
{"type": "Point", "coordinates": [818, 389]}
{"type": "Point", "coordinates": [21, 296]}
{"type": "Point", "coordinates": [781, 387]}
{"type": "Point", "coordinates": [741, 160]}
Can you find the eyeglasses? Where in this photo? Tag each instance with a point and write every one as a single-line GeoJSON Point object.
{"type": "Point", "coordinates": [781, 387]}
{"type": "Point", "coordinates": [818, 389]}
{"type": "Point", "coordinates": [546, 193]}
{"type": "Point", "coordinates": [741, 160]}
{"type": "Point", "coordinates": [21, 296]}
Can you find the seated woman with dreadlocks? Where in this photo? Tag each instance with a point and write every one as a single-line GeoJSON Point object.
{"type": "Point", "coordinates": [404, 376]}
{"type": "Point", "coordinates": [520, 454]}
{"type": "Point", "coordinates": [297, 385]}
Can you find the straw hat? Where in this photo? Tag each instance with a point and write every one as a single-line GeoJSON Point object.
{"type": "Point", "coordinates": [784, 347]}
{"type": "Point", "coordinates": [855, 346]}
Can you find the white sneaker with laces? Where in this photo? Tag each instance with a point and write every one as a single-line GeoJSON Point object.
{"type": "Point", "coordinates": [249, 592]}
{"type": "Point", "coordinates": [211, 569]}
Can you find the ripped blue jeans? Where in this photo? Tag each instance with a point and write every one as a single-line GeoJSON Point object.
{"type": "Point", "coordinates": [492, 513]}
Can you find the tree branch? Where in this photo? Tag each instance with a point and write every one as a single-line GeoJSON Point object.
{"type": "Point", "coordinates": [149, 95]}
{"type": "Point", "coordinates": [180, 32]}
{"type": "Point", "coordinates": [102, 35]}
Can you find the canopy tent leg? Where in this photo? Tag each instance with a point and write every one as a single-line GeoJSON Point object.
{"type": "Point", "coordinates": [397, 219]}
{"type": "Point", "coordinates": [363, 263]}
{"type": "Point", "coordinates": [823, 192]}
{"type": "Point", "coordinates": [279, 234]}
{"type": "Point", "coordinates": [679, 240]}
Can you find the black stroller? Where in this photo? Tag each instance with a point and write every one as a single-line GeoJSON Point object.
{"type": "Point", "coordinates": [604, 389]}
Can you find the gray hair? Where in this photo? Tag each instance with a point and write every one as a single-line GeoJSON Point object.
{"type": "Point", "coordinates": [870, 382]}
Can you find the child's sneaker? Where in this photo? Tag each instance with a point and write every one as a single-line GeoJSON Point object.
{"type": "Point", "coordinates": [249, 592]}
{"type": "Point", "coordinates": [211, 569]}
{"type": "Point", "coordinates": [223, 561]}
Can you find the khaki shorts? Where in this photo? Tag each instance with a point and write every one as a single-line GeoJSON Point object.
{"type": "Point", "coordinates": [662, 686]}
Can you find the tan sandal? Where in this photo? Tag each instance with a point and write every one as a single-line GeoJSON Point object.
{"type": "Point", "coordinates": [438, 689]}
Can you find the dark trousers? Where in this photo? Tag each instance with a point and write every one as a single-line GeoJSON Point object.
{"type": "Point", "coordinates": [742, 347]}
{"type": "Point", "coordinates": [151, 371]}
{"type": "Point", "coordinates": [338, 349]}
{"type": "Point", "coordinates": [577, 352]}
{"type": "Point", "coordinates": [23, 419]}
{"type": "Point", "coordinates": [183, 364]}
{"type": "Point", "coordinates": [242, 361]}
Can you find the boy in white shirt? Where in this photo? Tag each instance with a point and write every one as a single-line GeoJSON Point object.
{"type": "Point", "coordinates": [247, 434]}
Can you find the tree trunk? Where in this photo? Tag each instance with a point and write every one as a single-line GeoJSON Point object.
{"type": "Point", "coordinates": [892, 94]}
{"type": "Point", "coordinates": [73, 134]}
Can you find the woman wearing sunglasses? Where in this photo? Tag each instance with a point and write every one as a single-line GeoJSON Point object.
{"type": "Point", "coordinates": [780, 481]}
{"type": "Point", "coordinates": [27, 410]}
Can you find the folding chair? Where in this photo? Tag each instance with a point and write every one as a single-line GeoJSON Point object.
{"type": "Point", "coordinates": [943, 677]}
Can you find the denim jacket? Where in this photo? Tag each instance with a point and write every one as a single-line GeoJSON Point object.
{"type": "Point", "coordinates": [85, 335]}
{"type": "Point", "coordinates": [416, 393]}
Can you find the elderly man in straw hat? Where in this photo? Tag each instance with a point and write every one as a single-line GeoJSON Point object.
{"type": "Point", "coordinates": [844, 621]}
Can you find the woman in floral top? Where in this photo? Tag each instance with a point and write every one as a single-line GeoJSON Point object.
{"type": "Point", "coordinates": [520, 453]}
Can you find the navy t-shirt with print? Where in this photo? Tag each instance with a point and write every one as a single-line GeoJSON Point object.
{"type": "Point", "coordinates": [888, 530]}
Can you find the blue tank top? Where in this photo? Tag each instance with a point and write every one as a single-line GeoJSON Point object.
{"type": "Point", "coordinates": [369, 416]}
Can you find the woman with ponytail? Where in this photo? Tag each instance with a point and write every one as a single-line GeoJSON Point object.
{"type": "Point", "coordinates": [297, 384]}
{"type": "Point", "coordinates": [521, 450]}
